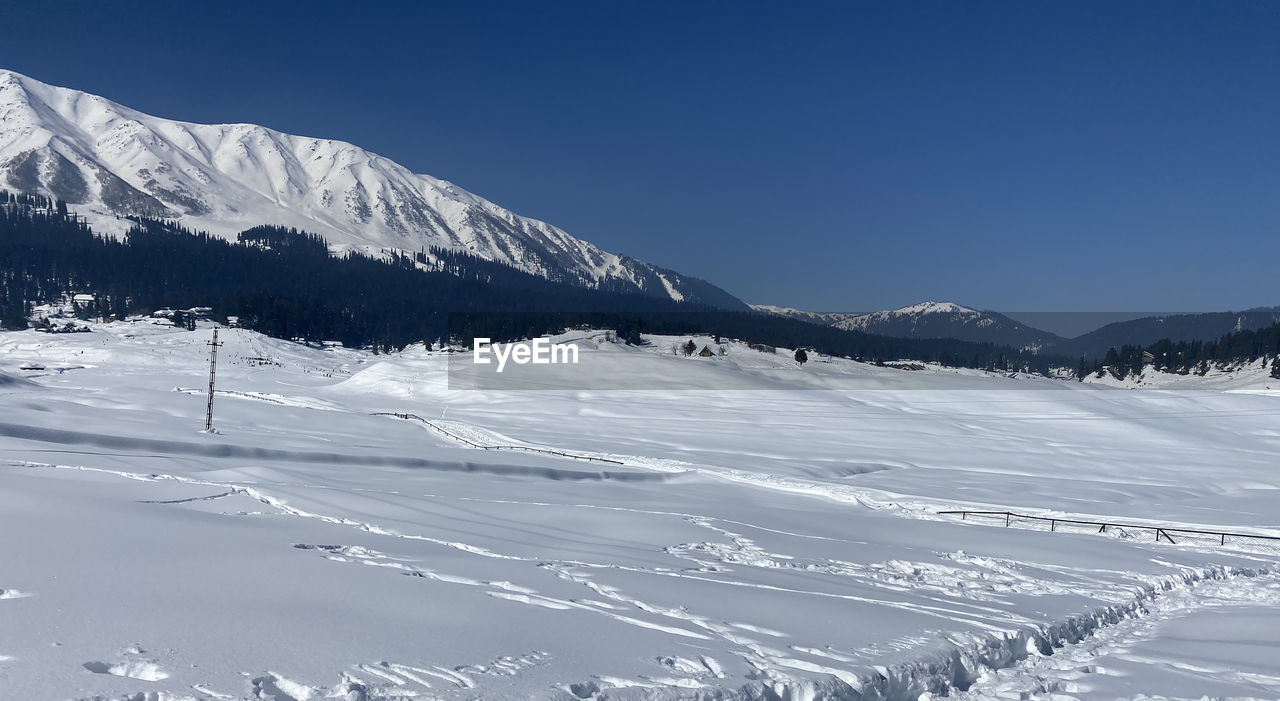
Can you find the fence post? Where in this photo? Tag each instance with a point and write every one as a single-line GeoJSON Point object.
{"type": "Point", "coordinates": [1006, 519]}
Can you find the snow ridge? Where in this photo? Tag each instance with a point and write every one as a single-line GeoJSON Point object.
{"type": "Point", "coordinates": [107, 160]}
{"type": "Point", "coordinates": [969, 662]}
{"type": "Point", "coordinates": [931, 320]}
{"type": "Point", "coordinates": [861, 322]}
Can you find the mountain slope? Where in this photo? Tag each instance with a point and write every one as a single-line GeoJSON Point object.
{"type": "Point", "coordinates": [950, 320]}
{"type": "Point", "coordinates": [106, 160]}
{"type": "Point", "coordinates": [932, 320]}
{"type": "Point", "coordinates": [824, 318]}
{"type": "Point", "coordinates": [1207, 326]}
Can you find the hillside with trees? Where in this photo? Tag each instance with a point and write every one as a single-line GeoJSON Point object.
{"type": "Point", "coordinates": [285, 283]}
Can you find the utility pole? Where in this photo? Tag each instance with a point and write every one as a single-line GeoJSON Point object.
{"type": "Point", "coordinates": [213, 368]}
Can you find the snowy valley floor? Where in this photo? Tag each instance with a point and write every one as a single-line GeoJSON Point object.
{"type": "Point", "coordinates": [770, 532]}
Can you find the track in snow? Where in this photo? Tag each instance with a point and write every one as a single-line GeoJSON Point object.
{"type": "Point", "coordinates": [1095, 664]}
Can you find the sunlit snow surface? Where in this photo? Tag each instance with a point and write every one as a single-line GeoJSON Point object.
{"type": "Point", "coordinates": [774, 540]}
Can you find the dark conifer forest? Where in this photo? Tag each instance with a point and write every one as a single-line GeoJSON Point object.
{"type": "Point", "coordinates": [285, 283]}
{"type": "Point", "coordinates": [1186, 357]}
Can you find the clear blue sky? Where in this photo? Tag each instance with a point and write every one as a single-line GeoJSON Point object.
{"type": "Point", "coordinates": [829, 156]}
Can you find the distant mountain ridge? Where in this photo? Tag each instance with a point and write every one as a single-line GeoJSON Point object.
{"type": "Point", "coordinates": [106, 160]}
{"type": "Point", "coordinates": [1205, 326]}
{"type": "Point", "coordinates": [951, 320]}
{"type": "Point", "coordinates": [824, 318]}
{"type": "Point", "coordinates": [932, 320]}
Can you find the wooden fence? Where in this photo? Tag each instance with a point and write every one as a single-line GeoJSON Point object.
{"type": "Point", "coordinates": [1185, 536]}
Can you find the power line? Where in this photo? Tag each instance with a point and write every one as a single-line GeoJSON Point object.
{"type": "Point", "coordinates": [213, 369]}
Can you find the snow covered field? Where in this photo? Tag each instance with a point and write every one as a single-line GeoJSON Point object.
{"type": "Point", "coordinates": [761, 530]}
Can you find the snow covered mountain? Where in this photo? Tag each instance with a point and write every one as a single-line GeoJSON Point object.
{"type": "Point", "coordinates": [824, 318]}
{"type": "Point", "coordinates": [107, 160]}
{"type": "Point", "coordinates": [932, 320]}
{"type": "Point", "coordinates": [951, 320]}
